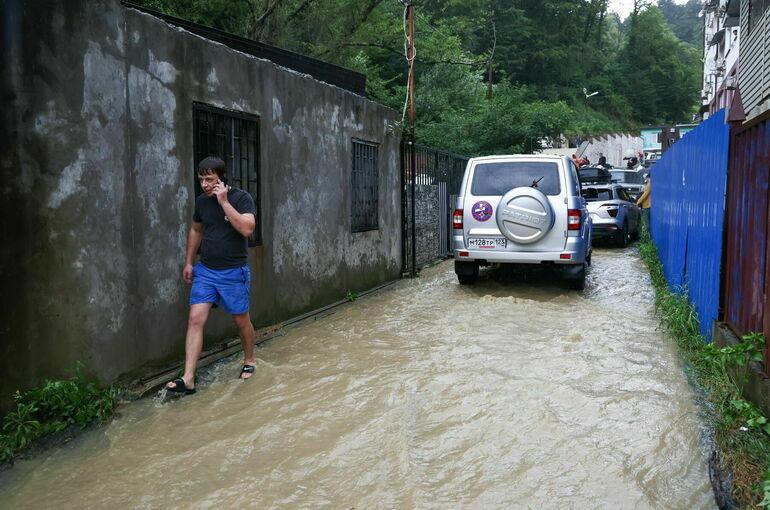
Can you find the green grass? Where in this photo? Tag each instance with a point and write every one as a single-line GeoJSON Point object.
{"type": "Point", "coordinates": [54, 407]}
{"type": "Point", "coordinates": [740, 429]}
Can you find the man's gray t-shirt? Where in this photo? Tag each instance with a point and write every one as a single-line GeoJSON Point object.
{"type": "Point", "coordinates": [222, 246]}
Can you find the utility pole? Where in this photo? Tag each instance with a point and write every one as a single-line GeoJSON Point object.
{"type": "Point", "coordinates": [413, 154]}
{"type": "Point", "coordinates": [410, 59]}
{"type": "Point", "coordinates": [489, 80]}
{"type": "Point", "coordinates": [489, 64]}
{"type": "Point", "coordinates": [410, 150]}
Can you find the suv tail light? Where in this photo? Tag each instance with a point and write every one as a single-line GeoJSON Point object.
{"type": "Point", "coordinates": [573, 219]}
{"type": "Point", "coordinates": [612, 209]}
{"type": "Point", "coordinates": [457, 219]}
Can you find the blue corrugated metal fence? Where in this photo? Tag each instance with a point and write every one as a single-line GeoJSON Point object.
{"type": "Point", "coordinates": [688, 197]}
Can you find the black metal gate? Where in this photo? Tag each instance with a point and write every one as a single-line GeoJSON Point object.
{"type": "Point", "coordinates": [430, 182]}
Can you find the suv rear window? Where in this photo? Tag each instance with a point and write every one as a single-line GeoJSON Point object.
{"type": "Point", "coordinates": [595, 194]}
{"type": "Point", "coordinates": [594, 174]}
{"type": "Point", "coordinates": [628, 177]}
{"type": "Point", "coordinates": [499, 178]}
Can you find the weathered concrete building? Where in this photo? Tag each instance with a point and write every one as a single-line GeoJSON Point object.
{"type": "Point", "coordinates": [106, 110]}
{"type": "Point", "coordinates": [721, 46]}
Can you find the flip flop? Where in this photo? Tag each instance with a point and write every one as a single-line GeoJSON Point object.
{"type": "Point", "coordinates": [180, 387]}
{"type": "Point", "coordinates": [247, 369]}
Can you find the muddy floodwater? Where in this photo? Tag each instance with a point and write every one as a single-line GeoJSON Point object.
{"type": "Point", "coordinates": [510, 393]}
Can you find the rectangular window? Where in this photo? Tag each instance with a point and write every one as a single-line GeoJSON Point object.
{"type": "Point", "coordinates": [499, 178]}
{"type": "Point", "coordinates": [364, 187]}
{"type": "Point", "coordinates": [597, 194]}
{"type": "Point", "coordinates": [233, 137]}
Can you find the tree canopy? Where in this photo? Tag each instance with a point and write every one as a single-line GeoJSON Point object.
{"type": "Point", "coordinates": [685, 20]}
{"type": "Point", "coordinates": [540, 55]}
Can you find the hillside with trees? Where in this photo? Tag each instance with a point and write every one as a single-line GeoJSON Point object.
{"type": "Point", "coordinates": [685, 20]}
{"type": "Point", "coordinates": [540, 55]}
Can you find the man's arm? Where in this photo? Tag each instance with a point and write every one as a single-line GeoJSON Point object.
{"type": "Point", "coordinates": [645, 194]}
{"type": "Point", "coordinates": [242, 222]}
{"type": "Point", "coordinates": [193, 242]}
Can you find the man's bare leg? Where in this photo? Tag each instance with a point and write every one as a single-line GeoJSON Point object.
{"type": "Point", "coordinates": [193, 344]}
{"type": "Point", "coordinates": [246, 332]}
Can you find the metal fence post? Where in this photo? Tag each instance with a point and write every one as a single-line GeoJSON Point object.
{"type": "Point", "coordinates": [404, 214]}
{"type": "Point", "coordinates": [413, 166]}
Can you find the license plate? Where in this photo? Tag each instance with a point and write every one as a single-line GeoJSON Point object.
{"type": "Point", "coordinates": [487, 243]}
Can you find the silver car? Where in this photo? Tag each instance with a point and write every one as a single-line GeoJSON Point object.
{"type": "Point", "coordinates": [632, 180]}
{"type": "Point", "coordinates": [613, 213]}
{"type": "Point", "coordinates": [524, 210]}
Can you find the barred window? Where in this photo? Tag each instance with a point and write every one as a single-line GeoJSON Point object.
{"type": "Point", "coordinates": [233, 137]}
{"type": "Point", "coordinates": [364, 187]}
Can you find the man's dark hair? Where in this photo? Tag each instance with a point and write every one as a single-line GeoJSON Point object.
{"type": "Point", "coordinates": [212, 165]}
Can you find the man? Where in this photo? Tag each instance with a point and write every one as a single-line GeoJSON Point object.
{"type": "Point", "coordinates": [224, 219]}
{"type": "Point", "coordinates": [602, 160]}
{"type": "Point", "coordinates": [645, 201]}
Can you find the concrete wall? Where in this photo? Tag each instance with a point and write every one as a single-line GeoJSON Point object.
{"type": "Point", "coordinates": [614, 146]}
{"type": "Point", "coordinates": [98, 188]}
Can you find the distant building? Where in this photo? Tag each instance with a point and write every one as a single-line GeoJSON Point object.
{"type": "Point", "coordinates": [720, 54]}
{"type": "Point", "coordinates": [741, 84]}
{"type": "Point", "coordinates": [754, 76]}
{"type": "Point", "coordinates": [657, 139]}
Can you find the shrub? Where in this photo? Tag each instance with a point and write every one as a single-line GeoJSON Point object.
{"type": "Point", "coordinates": [54, 407]}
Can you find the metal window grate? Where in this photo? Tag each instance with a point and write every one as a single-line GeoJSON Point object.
{"type": "Point", "coordinates": [364, 187]}
{"type": "Point", "coordinates": [234, 137]}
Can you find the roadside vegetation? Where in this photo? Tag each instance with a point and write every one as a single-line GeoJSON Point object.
{"type": "Point", "coordinates": [492, 76]}
{"type": "Point", "coordinates": [741, 432]}
{"type": "Point", "coordinates": [54, 407]}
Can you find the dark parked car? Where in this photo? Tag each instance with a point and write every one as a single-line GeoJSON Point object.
{"type": "Point", "coordinates": [594, 174]}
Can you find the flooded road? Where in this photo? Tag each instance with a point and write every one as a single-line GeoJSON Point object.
{"type": "Point", "coordinates": [506, 394]}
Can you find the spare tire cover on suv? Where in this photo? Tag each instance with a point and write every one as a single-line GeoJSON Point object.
{"type": "Point", "coordinates": [524, 215]}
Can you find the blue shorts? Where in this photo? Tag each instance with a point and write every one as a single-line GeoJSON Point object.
{"type": "Point", "coordinates": [228, 288]}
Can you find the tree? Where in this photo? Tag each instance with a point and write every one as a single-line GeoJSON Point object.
{"type": "Point", "coordinates": [456, 116]}
{"type": "Point", "coordinates": [684, 20]}
{"type": "Point", "coordinates": [540, 54]}
{"type": "Point", "coordinates": [661, 74]}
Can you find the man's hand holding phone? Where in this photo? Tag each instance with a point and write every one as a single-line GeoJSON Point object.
{"type": "Point", "coordinates": [220, 191]}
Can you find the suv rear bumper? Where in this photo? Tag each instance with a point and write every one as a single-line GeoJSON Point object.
{"type": "Point", "coordinates": [606, 227]}
{"type": "Point", "coordinates": [575, 247]}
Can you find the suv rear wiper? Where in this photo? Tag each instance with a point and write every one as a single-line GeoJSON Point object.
{"type": "Point", "coordinates": [534, 183]}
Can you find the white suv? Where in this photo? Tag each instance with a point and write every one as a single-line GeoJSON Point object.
{"type": "Point", "coordinates": [521, 209]}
